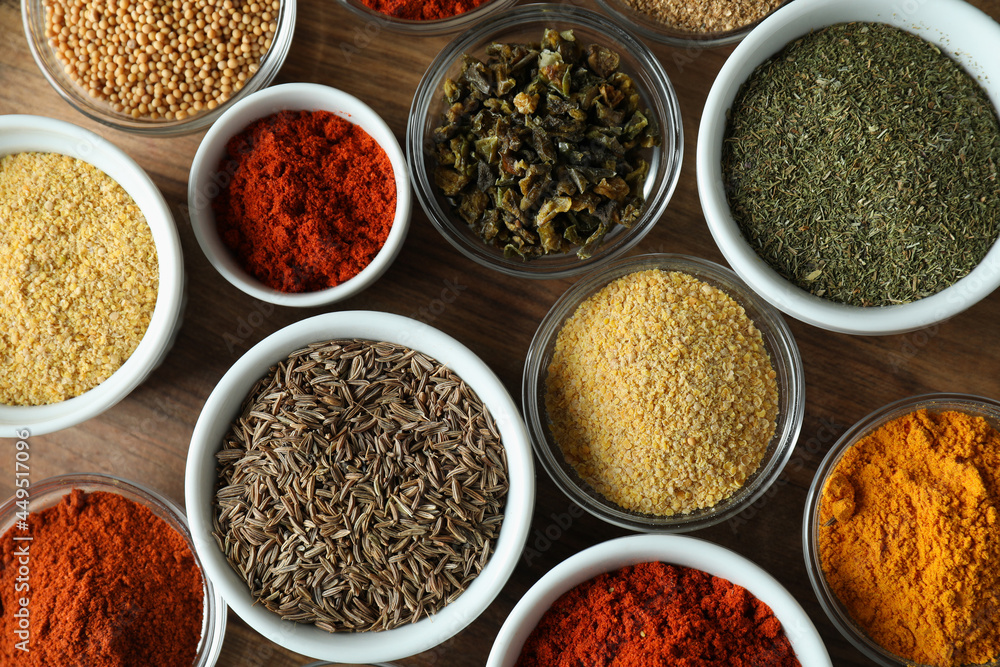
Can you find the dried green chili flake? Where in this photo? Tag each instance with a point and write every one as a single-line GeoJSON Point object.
{"type": "Point", "coordinates": [861, 163]}
{"type": "Point", "coordinates": [541, 148]}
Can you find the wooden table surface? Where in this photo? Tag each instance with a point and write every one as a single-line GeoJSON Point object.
{"type": "Point", "coordinates": [145, 437]}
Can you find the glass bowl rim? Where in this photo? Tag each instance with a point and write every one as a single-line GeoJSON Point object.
{"type": "Point", "coordinates": [669, 155]}
{"type": "Point", "coordinates": [838, 616]}
{"type": "Point", "coordinates": [58, 487]}
{"type": "Point", "coordinates": [100, 112]}
{"type": "Point", "coordinates": [677, 37]}
{"type": "Point", "coordinates": [791, 392]}
{"type": "Point", "coordinates": [430, 27]}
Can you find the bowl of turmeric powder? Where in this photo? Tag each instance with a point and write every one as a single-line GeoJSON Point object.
{"type": "Point", "coordinates": [900, 532]}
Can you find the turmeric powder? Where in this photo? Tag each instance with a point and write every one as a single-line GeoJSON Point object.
{"type": "Point", "coordinates": [909, 540]}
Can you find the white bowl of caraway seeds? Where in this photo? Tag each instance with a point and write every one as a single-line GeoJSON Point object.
{"type": "Point", "coordinates": [863, 197]}
{"type": "Point", "coordinates": [359, 486]}
{"type": "Point", "coordinates": [80, 335]}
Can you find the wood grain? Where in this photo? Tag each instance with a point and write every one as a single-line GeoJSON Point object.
{"type": "Point", "coordinates": [145, 437]}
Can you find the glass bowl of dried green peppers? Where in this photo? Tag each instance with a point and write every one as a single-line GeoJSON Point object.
{"type": "Point", "coordinates": [545, 141]}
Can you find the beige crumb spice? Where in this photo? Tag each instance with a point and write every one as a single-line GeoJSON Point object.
{"type": "Point", "coordinates": [706, 16]}
{"type": "Point", "coordinates": [78, 277]}
{"type": "Point", "coordinates": [161, 59]}
{"type": "Point", "coordinates": [661, 393]}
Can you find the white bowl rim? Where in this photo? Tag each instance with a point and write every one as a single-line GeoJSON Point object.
{"type": "Point", "coordinates": [790, 22]}
{"type": "Point", "coordinates": [293, 97]}
{"type": "Point", "coordinates": [682, 550]}
{"type": "Point", "coordinates": [24, 133]}
{"type": "Point", "coordinates": [405, 640]}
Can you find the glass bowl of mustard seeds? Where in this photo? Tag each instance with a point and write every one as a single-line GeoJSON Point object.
{"type": "Point", "coordinates": [93, 302]}
{"type": "Point", "coordinates": [548, 179]}
{"type": "Point", "coordinates": [663, 395]}
{"type": "Point", "coordinates": [158, 70]}
{"type": "Point", "coordinates": [874, 208]}
{"type": "Point", "coordinates": [918, 478]}
{"type": "Point", "coordinates": [80, 523]}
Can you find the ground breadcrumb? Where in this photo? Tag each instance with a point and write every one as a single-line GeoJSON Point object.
{"type": "Point", "coordinates": [661, 393]}
{"type": "Point", "coordinates": [78, 277]}
{"type": "Point", "coordinates": [705, 16]}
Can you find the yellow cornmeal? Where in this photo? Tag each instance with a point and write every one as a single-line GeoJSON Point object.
{"type": "Point", "coordinates": [661, 394]}
{"type": "Point", "coordinates": [78, 277]}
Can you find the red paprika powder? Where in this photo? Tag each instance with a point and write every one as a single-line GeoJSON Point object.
{"type": "Point", "coordinates": [658, 615]}
{"type": "Point", "coordinates": [418, 10]}
{"type": "Point", "coordinates": [109, 584]}
{"type": "Point", "coordinates": [309, 202]}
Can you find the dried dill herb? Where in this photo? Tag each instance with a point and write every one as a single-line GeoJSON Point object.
{"type": "Point", "coordinates": [861, 164]}
{"type": "Point", "coordinates": [540, 148]}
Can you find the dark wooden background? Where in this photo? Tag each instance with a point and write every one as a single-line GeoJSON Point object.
{"type": "Point", "coordinates": [145, 437]}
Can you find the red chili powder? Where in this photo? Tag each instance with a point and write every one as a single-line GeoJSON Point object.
{"type": "Point", "coordinates": [107, 583]}
{"type": "Point", "coordinates": [658, 615]}
{"type": "Point", "coordinates": [308, 200]}
{"type": "Point", "coordinates": [417, 10]}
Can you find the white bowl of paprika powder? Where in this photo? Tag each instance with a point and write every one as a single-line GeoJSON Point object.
{"type": "Point", "coordinates": [299, 195]}
{"type": "Point", "coordinates": [635, 593]}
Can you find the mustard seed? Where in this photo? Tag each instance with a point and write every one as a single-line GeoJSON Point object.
{"type": "Point", "coordinates": [78, 277]}
{"type": "Point", "coordinates": [661, 394]}
{"type": "Point", "coordinates": [99, 53]}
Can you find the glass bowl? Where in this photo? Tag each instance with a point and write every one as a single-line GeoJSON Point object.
{"type": "Point", "coordinates": [203, 187]}
{"type": "Point", "coordinates": [33, 18]}
{"type": "Point", "coordinates": [780, 347]}
{"type": "Point", "coordinates": [674, 549]}
{"type": "Point", "coordinates": [961, 31]}
{"type": "Point", "coordinates": [649, 28]}
{"type": "Point", "coordinates": [443, 26]}
{"type": "Point", "coordinates": [526, 24]}
{"type": "Point", "coordinates": [201, 477]}
{"type": "Point", "coordinates": [21, 133]}
{"type": "Point", "coordinates": [987, 408]}
{"type": "Point", "coordinates": [49, 492]}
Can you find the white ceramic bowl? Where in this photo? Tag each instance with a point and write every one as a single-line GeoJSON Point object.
{"type": "Point", "coordinates": [202, 187]}
{"type": "Point", "coordinates": [49, 492]}
{"type": "Point", "coordinates": [35, 133]}
{"type": "Point", "coordinates": [223, 406]}
{"type": "Point", "coordinates": [963, 32]}
{"type": "Point", "coordinates": [674, 549]}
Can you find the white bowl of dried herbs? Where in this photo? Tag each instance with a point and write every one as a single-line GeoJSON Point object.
{"type": "Point", "coordinates": [360, 487]}
{"type": "Point", "coordinates": [847, 162]}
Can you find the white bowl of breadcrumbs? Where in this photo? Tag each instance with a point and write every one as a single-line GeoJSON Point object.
{"type": "Point", "coordinates": [91, 275]}
{"type": "Point", "coordinates": [662, 394]}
